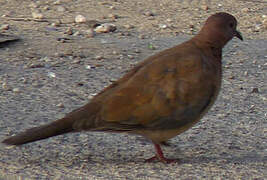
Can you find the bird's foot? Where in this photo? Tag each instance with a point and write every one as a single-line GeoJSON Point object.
{"type": "Point", "coordinates": [161, 159]}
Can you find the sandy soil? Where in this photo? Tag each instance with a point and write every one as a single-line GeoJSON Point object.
{"type": "Point", "coordinates": [59, 64]}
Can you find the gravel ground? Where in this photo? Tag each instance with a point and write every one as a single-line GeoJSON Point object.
{"type": "Point", "coordinates": [59, 64]}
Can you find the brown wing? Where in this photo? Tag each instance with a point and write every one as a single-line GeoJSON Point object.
{"type": "Point", "coordinates": [170, 88]}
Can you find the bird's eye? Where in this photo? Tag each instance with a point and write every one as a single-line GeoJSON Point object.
{"type": "Point", "coordinates": [231, 25]}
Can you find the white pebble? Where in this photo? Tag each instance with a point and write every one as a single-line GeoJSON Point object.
{"type": "Point", "coordinates": [60, 105]}
{"type": "Point", "coordinates": [57, 2]}
{"type": "Point", "coordinates": [162, 26]}
{"type": "Point", "coordinates": [88, 67]}
{"type": "Point", "coordinates": [4, 27]}
{"type": "Point", "coordinates": [115, 52]}
{"type": "Point", "coordinates": [80, 19]}
{"type": "Point", "coordinates": [16, 90]}
{"type": "Point", "coordinates": [130, 56]}
{"type": "Point", "coordinates": [51, 74]}
{"type": "Point", "coordinates": [105, 28]}
{"type": "Point", "coordinates": [169, 20]}
{"type": "Point", "coordinates": [77, 33]}
{"type": "Point", "coordinates": [37, 15]}
{"type": "Point", "coordinates": [5, 86]}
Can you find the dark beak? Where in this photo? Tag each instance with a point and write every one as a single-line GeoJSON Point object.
{"type": "Point", "coordinates": [238, 35]}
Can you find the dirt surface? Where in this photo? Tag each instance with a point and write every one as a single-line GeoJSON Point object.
{"type": "Point", "coordinates": [59, 64]}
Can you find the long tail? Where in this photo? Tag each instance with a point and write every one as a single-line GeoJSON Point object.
{"type": "Point", "coordinates": [55, 128]}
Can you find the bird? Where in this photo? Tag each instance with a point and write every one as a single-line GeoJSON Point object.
{"type": "Point", "coordinates": [160, 98]}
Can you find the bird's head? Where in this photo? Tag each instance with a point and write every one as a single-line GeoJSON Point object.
{"type": "Point", "coordinates": [219, 29]}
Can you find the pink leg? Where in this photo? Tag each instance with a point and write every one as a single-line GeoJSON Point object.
{"type": "Point", "coordinates": [160, 156]}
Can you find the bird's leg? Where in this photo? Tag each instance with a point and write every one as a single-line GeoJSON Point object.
{"type": "Point", "coordinates": [160, 156]}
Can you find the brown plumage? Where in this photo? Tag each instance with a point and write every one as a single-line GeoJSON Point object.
{"type": "Point", "coordinates": [160, 98]}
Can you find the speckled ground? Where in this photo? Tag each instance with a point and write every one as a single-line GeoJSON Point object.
{"type": "Point", "coordinates": [41, 79]}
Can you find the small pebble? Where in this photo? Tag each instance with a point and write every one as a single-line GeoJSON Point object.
{"type": "Point", "coordinates": [51, 74]}
{"type": "Point", "coordinates": [113, 80]}
{"type": "Point", "coordinates": [257, 27]}
{"type": "Point", "coordinates": [61, 9]}
{"type": "Point", "coordinates": [169, 20]}
{"type": "Point", "coordinates": [46, 8]}
{"type": "Point", "coordinates": [4, 27]}
{"type": "Point", "coordinates": [124, 33]}
{"type": "Point", "coordinates": [137, 51]}
{"type": "Point", "coordinates": [112, 7]}
{"type": "Point", "coordinates": [80, 19]}
{"type": "Point", "coordinates": [55, 24]}
{"type": "Point", "coordinates": [99, 57]}
{"type": "Point", "coordinates": [130, 56]}
{"type": "Point", "coordinates": [37, 84]}
{"type": "Point", "coordinates": [113, 16]}
{"type": "Point", "coordinates": [23, 80]}
{"type": "Point", "coordinates": [57, 2]}
{"type": "Point", "coordinates": [205, 7]}
{"type": "Point", "coordinates": [245, 10]}
{"type": "Point", "coordinates": [120, 56]}
{"type": "Point", "coordinates": [90, 33]}
{"type": "Point", "coordinates": [46, 59]}
{"type": "Point", "coordinates": [103, 41]}
{"type": "Point", "coordinates": [76, 61]}
{"type": "Point", "coordinates": [36, 65]}
{"type": "Point", "coordinates": [163, 26]}
{"type": "Point", "coordinates": [255, 90]}
{"type": "Point", "coordinates": [37, 15]}
{"type": "Point", "coordinates": [98, 65]}
{"type": "Point", "coordinates": [141, 36]}
{"type": "Point", "coordinates": [5, 86]}
{"type": "Point", "coordinates": [33, 5]}
{"type": "Point", "coordinates": [80, 84]}
{"type": "Point", "coordinates": [232, 77]}
{"type": "Point", "coordinates": [150, 46]}
{"type": "Point", "coordinates": [115, 52]}
{"type": "Point", "coordinates": [16, 90]}
{"type": "Point", "coordinates": [151, 18]}
{"type": "Point", "coordinates": [69, 31]}
{"type": "Point", "coordinates": [148, 13]}
{"type": "Point", "coordinates": [105, 28]}
{"type": "Point", "coordinates": [60, 105]}
{"type": "Point", "coordinates": [128, 26]}
{"type": "Point", "coordinates": [77, 33]}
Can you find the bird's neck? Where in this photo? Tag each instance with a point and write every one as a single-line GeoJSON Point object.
{"type": "Point", "coordinates": [209, 46]}
{"type": "Point", "coordinates": [211, 37]}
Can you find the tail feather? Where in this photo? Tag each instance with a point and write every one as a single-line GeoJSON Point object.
{"type": "Point", "coordinates": [55, 128]}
